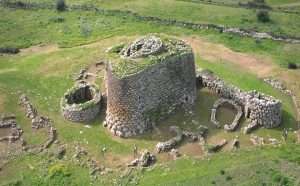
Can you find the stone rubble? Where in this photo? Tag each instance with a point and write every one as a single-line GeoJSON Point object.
{"type": "Point", "coordinates": [277, 84]}
{"type": "Point", "coordinates": [143, 47]}
{"type": "Point", "coordinates": [38, 122]}
{"type": "Point", "coordinates": [256, 140]}
{"type": "Point", "coordinates": [82, 158]}
{"type": "Point", "coordinates": [235, 144]}
{"type": "Point", "coordinates": [171, 143]}
{"type": "Point", "coordinates": [175, 153]}
{"type": "Point", "coordinates": [250, 127]}
{"type": "Point", "coordinates": [146, 160]}
{"type": "Point", "coordinates": [9, 121]}
{"type": "Point", "coordinates": [217, 147]}
{"type": "Point", "coordinates": [180, 136]}
{"type": "Point", "coordinates": [31, 113]}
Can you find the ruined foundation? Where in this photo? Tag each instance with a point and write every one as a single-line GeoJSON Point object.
{"type": "Point", "coordinates": [137, 99]}
{"type": "Point", "coordinates": [261, 109]}
{"type": "Point", "coordinates": [81, 103]}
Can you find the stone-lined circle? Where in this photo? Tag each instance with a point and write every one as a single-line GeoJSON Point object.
{"type": "Point", "coordinates": [81, 103]}
{"type": "Point", "coordinates": [235, 122]}
{"type": "Point", "coordinates": [143, 47]}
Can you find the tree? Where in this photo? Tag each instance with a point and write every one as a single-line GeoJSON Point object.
{"type": "Point", "coordinates": [61, 5]}
{"type": "Point", "coordinates": [263, 16]}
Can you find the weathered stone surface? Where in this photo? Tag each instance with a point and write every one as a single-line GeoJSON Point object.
{"type": "Point", "coordinates": [145, 160]}
{"type": "Point", "coordinates": [235, 144]}
{"type": "Point", "coordinates": [175, 153]}
{"type": "Point", "coordinates": [235, 122]}
{"type": "Point", "coordinates": [171, 143]}
{"type": "Point", "coordinates": [143, 47]}
{"type": "Point", "coordinates": [217, 147]}
{"type": "Point", "coordinates": [38, 122]}
{"type": "Point", "coordinates": [256, 140]}
{"type": "Point", "coordinates": [135, 101]}
{"type": "Point", "coordinates": [81, 103]}
{"type": "Point", "coordinates": [250, 127]}
{"type": "Point", "coordinates": [262, 109]}
{"type": "Point", "coordinates": [9, 121]}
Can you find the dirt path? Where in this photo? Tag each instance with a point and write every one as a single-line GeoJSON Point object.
{"type": "Point", "coordinates": [261, 66]}
{"type": "Point", "coordinates": [40, 49]}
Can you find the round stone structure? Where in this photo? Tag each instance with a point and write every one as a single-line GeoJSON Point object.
{"type": "Point", "coordinates": [150, 85]}
{"type": "Point", "coordinates": [81, 103]}
{"type": "Point", "coordinates": [263, 110]}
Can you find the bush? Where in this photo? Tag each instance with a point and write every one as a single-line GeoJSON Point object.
{"type": "Point", "coordinates": [61, 5]}
{"type": "Point", "coordinates": [292, 66]}
{"type": "Point", "coordinates": [263, 16]}
{"type": "Point", "coordinates": [9, 50]}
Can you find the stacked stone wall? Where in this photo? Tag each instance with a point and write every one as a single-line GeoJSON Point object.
{"type": "Point", "coordinates": [81, 112]}
{"type": "Point", "coordinates": [135, 101]}
{"type": "Point", "coordinates": [261, 109]}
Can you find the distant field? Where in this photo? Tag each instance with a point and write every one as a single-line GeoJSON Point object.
{"type": "Point", "coordinates": [281, 23]}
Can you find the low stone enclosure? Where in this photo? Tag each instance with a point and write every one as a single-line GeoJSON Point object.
{"type": "Point", "coordinates": [146, 81]}
{"type": "Point", "coordinates": [9, 122]}
{"type": "Point", "coordinates": [235, 122]}
{"type": "Point", "coordinates": [81, 103]}
{"type": "Point", "coordinates": [262, 110]}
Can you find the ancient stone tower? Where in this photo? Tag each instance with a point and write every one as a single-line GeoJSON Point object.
{"type": "Point", "coordinates": [145, 81]}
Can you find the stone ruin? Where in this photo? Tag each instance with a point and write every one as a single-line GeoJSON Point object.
{"type": "Point", "coordinates": [137, 100]}
{"type": "Point", "coordinates": [38, 122]}
{"type": "Point", "coordinates": [172, 143]}
{"type": "Point", "coordinates": [143, 47]}
{"type": "Point", "coordinates": [235, 122]}
{"type": "Point", "coordinates": [261, 109]}
{"type": "Point", "coordinates": [81, 103]}
{"type": "Point", "coordinates": [9, 122]}
{"type": "Point", "coordinates": [145, 160]}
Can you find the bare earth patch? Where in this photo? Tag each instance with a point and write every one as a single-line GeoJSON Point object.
{"type": "Point", "coordinates": [261, 66]}
{"type": "Point", "coordinates": [39, 49]}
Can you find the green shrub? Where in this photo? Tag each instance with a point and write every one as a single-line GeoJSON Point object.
{"type": "Point", "coordinates": [58, 170]}
{"type": "Point", "coordinates": [9, 50]}
{"type": "Point", "coordinates": [263, 16]}
{"type": "Point", "coordinates": [292, 65]}
{"type": "Point", "coordinates": [61, 5]}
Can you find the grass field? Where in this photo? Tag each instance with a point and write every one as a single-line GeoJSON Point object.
{"type": "Point", "coordinates": [81, 39]}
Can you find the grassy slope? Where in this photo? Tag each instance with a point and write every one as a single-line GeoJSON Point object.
{"type": "Point", "coordinates": [44, 77]}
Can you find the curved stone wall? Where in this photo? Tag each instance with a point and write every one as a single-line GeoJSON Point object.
{"type": "Point", "coordinates": [238, 116]}
{"type": "Point", "coordinates": [135, 101]}
{"type": "Point", "coordinates": [259, 108]}
{"type": "Point", "coordinates": [81, 103]}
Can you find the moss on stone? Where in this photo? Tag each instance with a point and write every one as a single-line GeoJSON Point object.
{"type": "Point", "coordinates": [123, 67]}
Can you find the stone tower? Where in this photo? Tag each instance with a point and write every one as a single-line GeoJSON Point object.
{"type": "Point", "coordinates": [147, 80]}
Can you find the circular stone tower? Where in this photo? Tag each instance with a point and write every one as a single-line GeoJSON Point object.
{"type": "Point", "coordinates": [147, 80]}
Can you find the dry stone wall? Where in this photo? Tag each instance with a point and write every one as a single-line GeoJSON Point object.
{"type": "Point", "coordinates": [259, 108]}
{"type": "Point", "coordinates": [135, 101]}
{"type": "Point", "coordinates": [81, 103]}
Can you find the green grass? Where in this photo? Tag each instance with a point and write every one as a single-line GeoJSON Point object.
{"type": "Point", "coordinates": [281, 23]}
{"type": "Point", "coordinates": [44, 76]}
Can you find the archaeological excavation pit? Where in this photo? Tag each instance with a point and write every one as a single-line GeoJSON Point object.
{"type": "Point", "coordinates": [81, 103]}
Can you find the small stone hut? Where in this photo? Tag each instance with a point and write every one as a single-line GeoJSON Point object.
{"type": "Point", "coordinates": [147, 80]}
